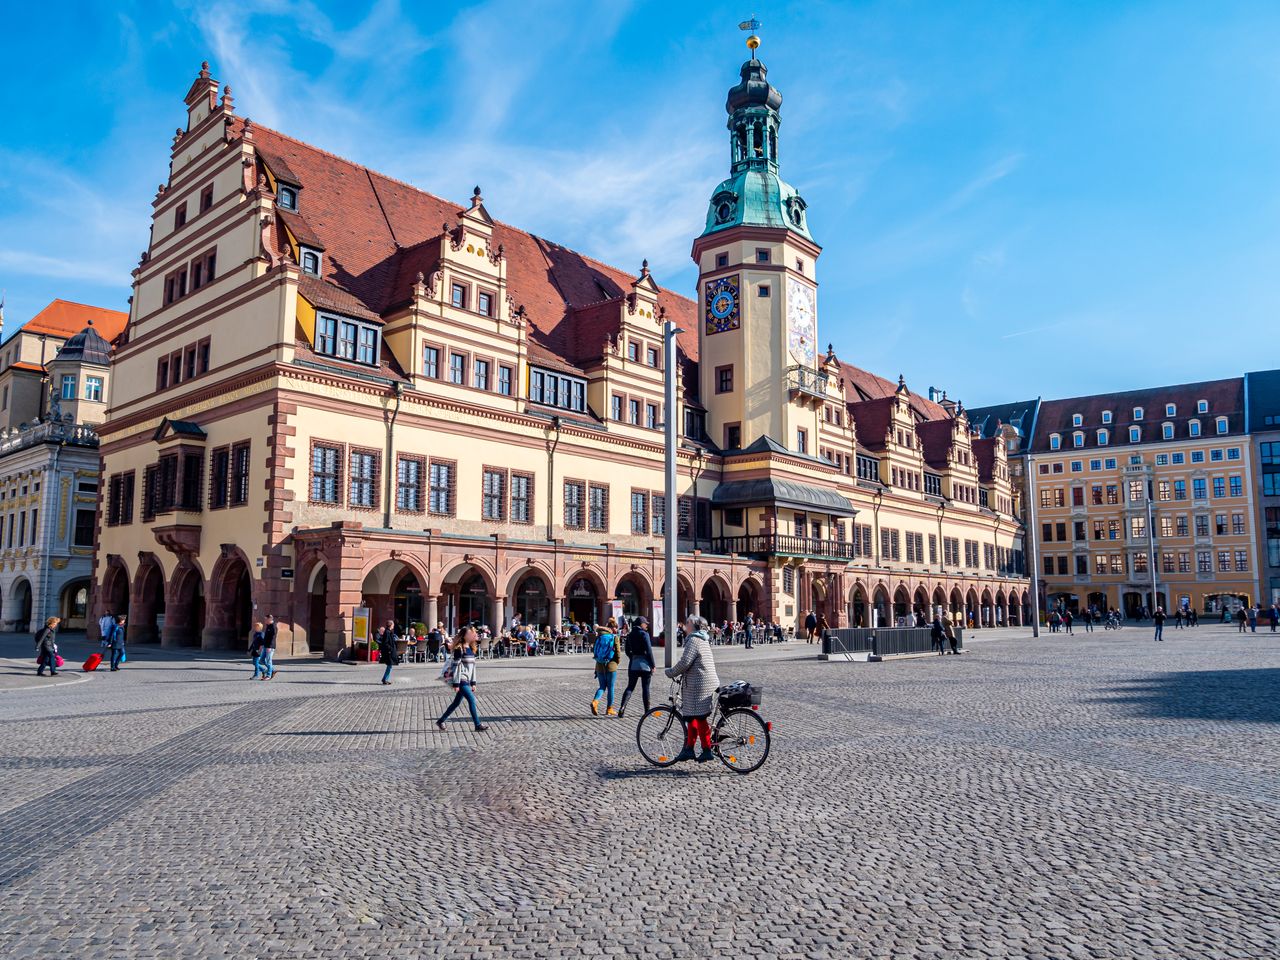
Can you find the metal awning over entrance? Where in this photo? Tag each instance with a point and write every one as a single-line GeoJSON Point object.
{"type": "Point", "coordinates": [771, 491]}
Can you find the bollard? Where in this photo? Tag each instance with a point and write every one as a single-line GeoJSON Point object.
{"type": "Point", "coordinates": [874, 655]}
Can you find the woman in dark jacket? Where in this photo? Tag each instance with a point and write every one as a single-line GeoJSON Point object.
{"type": "Point", "coordinates": [47, 647]}
{"type": "Point", "coordinates": [387, 652]}
{"type": "Point", "coordinates": [639, 664]}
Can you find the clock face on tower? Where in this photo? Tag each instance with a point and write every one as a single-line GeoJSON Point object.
{"type": "Point", "coordinates": [722, 311]}
{"type": "Point", "coordinates": [802, 322]}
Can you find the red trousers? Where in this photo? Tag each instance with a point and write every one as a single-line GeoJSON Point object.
{"type": "Point", "coordinates": [699, 730]}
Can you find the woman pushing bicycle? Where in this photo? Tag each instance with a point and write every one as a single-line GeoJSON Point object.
{"type": "Point", "coordinates": [699, 682]}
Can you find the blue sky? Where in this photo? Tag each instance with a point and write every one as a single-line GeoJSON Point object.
{"type": "Point", "coordinates": [1013, 199]}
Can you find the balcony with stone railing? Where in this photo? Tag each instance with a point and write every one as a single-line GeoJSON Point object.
{"type": "Point", "coordinates": [27, 435]}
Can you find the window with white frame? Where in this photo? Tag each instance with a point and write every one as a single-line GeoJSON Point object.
{"type": "Point", "coordinates": [310, 262]}
{"type": "Point", "coordinates": [557, 390]}
{"type": "Point", "coordinates": [93, 388]}
{"type": "Point", "coordinates": [1103, 437]}
{"type": "Point", "coordinates": [1221, 423]}
{"type": "Point", "coordinates": [1135, 434]}
{"type": "Point", "coordinates": [1077, 439]}
{"type": "Point", "coordinates": [1193, 428]}
{"type": "Point", "coordinates": [347, 339]}
{"type": "Point", "coordinates": [1077, 420]}
{"type": "Point", "coordinates": [68, 386]}
{"type": "Point", "coordinates": [1055, 441]}
{"type": "Point", "coordinates": [1106, 416]}
{"type": "Point", "coordinates": [1166, 431]}
{"type": "Point", "coordinates": [1202, 406]}
{"type": "Point", "coordinates": [1137, 413]}
{"type": "Point", "coordinates": [287, 197]}
{"type": "Point", "coordinates": [1170, 409]}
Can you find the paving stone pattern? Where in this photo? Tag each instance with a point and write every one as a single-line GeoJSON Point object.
{"type": "Point", "coordinates": [1095, 797]}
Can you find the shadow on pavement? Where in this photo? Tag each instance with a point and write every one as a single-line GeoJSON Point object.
{"type": "Point", "coordinates": [1245, 696]}
{"type": "Point", "coordinates": [634, 773]}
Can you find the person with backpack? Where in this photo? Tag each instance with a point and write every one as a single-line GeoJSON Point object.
{"type": "Point", "coordinates": [47, 647]}
{"type": "Point", "coordinates": [607, 657]}
{"type": "Point", "coordinates": [698, 685]}
{"type": "Point", "coordinates": [387, 652]}
{"type": "Point", "coordinates": [639, 664]}
{"type": "Point", "coordinates": [115, 642]}
{"type": "Point", "coordinates": [460, 673]}
{"type": "Point", "coordinates": [255, 650]}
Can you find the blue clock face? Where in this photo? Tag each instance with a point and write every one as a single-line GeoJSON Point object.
{"type": "Point", "coordinates": [721, 305]}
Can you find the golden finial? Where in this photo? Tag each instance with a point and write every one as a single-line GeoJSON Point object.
{"type": "Point", "coordinates": [751, 26]}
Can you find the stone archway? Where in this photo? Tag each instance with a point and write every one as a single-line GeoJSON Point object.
{"type": "Point", "coordinates": [971, 607]}
{"type": "Point", "coordinates": [858, 611]}
{"type": "Point", "coordinates": [531, 599]}
{"type": "Point", "coordinates": [392, 590]}
{"type": "Point", "coordinates": [20, 606]}
{"type": "Point", "coordinates": [748, 600]}
{"type": "Point", "coordinates": [230, 611]}
{"type": "Point", "coordinates": [149, 602]}
{"type": "Point", "coordinates": [939, 603]}
{"type": "Point", "coordinates": [633, 591]}
{"type": "Point", "coordinates": [901, 607]}
{"type": "Point", "coordinates": [1001, 613]}
{"type": "Point", "coordinates": [73, 605]}
{"type": "Point", "coordinates": [115, 589]}
{"type": "Point", "coordinates": [920, 605]}
{"type": "Point", "coordinates": [713, 603]}
{"type": "Point", "coordinates": [582, 599]}
{"type": "Point", "coordinates": [184, 615]}
{"type": "Point", "coordinates": [985, 614]}
{"type": "Point", "coordinates": [957, 606]}
{"type": "Point", "coordinates": [881, 614]}
{"type": "Point", "coordinates": [317, 607]}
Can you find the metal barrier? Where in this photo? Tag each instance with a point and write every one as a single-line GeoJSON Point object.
{"type": "Point", "coordinates": [882, 641]}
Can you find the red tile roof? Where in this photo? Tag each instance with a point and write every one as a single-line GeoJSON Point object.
{"type": "Point", "coordinates": [64, 318]}
{"type": "Point", "coordinates": [370, 224]}
{"type": "Point", "coordinates": [935, 441]}
{"type": "Point", "coordinates": [984, 454]}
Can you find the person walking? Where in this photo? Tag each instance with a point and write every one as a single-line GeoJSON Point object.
{"type": "Point", "coordinates": [1067, 620]}
{"type": "Point", "coordinates": [607, 657]}
{"type": "Point", "coordinates": [823, 627]}
{"type": "Point", "coordinates": [949, 631]}
{"type": "Point", "coordinates": [1253, 619]}
{"type": "Point", "coordinates": [460, 673]}
{"type": "Point", "coordinates": [105, 623]}
{"type": "Point", "coordinates": [810, 625]}
{"type": "Point", "coordinates": [255, 650]}
{"type": "Point", "coordinates": [388, 655]}
{"type": "Point", "coordinates": [1158, 619]}
{"type": "Point", "coordinates": [1242, 619]}
{"type": "Point", "coordinates": [639, 649]}
{"type": "Point", "coordinates": [115, 642]}
{"type": "Point", "coordinates": [269, 649]}
{"type": "Point", "coordinates": [698, 686]}
{"type": "Point", "coordinates": [1275, 616]}
{"type": "Point", "coordinates": [47, 647]}
{"type": "Point", "coordinates": [1177, 619]}
{"type": "Point", "coordinates": [937, 635]}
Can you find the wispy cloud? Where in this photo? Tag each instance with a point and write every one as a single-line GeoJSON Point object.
{"type": "Point", "coordinates": [992, 174]}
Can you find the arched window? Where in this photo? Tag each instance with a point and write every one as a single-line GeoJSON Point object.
{"type": "Point", "coordinates": [1202, 406]}
{"type": "Point", "coordinates": [1222, 424]}
{"type": "Point", "coordinates": [310, 262]}
{"type": "Point", "coordinates": [1106, 416]}
{"type": "Point", "coordinates": [1077, 419]}
{"type": "Point", "coordinates": [1135, 434]}
{"type": "Point", "coordinates": [1077, 438]}
{"type": "Point", "coordinates": [1166, 431]}
{"type": "Point", "coordinates": [1193, 428]}
{"type": "Point", "coordinates": [1137, 413]}
{"type": "Point", "coordinates": [1103, 437]}
{"type": "Point", "coordinates": [1170, 409]}
{"type": "Point", "coordinates": [1055, 441]}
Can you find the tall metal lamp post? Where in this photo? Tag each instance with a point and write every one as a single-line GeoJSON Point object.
{"type": "Point", "coordinates": [699, 462]}
{"type": "Point", "coordinates": [553, 440]}
{"type": "Point", "coordinates": [671, 419]}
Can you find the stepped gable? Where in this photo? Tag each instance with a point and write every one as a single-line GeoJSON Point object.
{"type": "Point", "coordinates": [861, 385]}
{"type": "Point", "coordinates": [369, 225]}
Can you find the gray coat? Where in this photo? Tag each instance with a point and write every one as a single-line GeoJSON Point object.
{"type": "Point", "coordinates": [698, 667]}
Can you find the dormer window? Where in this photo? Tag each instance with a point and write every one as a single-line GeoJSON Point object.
{"type": "Point", "coordinates": [1202, 406]}
{"type": "Point", "coordinates": [1104, 437]}
{"type": "Point", "coordinates": [1106, 416]}
{"type": "Point", "coordinates": [310, 262]}
{"type": "Point", "coordinates": [1135, 434]}
{"type": "Point", "coordinates": [1055, 441]}
{"type": "Point", "coordinates": [1193, 428]}
{"type": "Point", "coordinates": [1166, 431]}
{"type": "Point", "coordinates": [287, 197]}
{"type": "Point", "coordinates": [1077, 420]}
{"type": "Point", "coordinates": [1170, 409]}
{"type": "Point", "coordinates": [1222, 424]}
{"type": "Point", "coordinates": [1077, 439]}
{"type": "Point", "coordinates": [347, 339]}
{"type": "Point", "coordinates": [1137, 413]}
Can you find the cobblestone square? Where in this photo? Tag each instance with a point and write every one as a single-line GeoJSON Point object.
{"type": "Point", "coordinates": [1101, 796]}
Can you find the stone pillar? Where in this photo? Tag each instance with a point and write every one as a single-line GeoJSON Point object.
{"type": "Point", "coordinates": [431, 611]}
{"type": "Point", "coordinates": [557, 611]}
{"type": "Point", "coordinates": [497, 614]}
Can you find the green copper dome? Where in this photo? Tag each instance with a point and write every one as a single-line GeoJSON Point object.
{"type": "Point", "coordinates": [754, 195]}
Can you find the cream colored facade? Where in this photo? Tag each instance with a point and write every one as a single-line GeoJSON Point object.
{"type": "Point", "coordinates": [465, 422]}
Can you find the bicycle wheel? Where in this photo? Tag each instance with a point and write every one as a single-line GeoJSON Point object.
{"type": "Point", "coordinates": [741, 740]}
{"type": "Point", "coordinates": [660, 736]}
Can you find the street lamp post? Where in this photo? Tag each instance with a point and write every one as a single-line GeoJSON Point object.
{"type": "Point", "coordinates": [669, 332]}
{"type": "Point", "coordinates": [553, 440]}
{"type": "Point", "coordinates": [699, 461]}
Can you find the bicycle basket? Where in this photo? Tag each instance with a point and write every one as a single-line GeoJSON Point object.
{"type": "Point", "coordinates": [740, 694]}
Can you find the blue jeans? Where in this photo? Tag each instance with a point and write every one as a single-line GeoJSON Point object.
{"type": "Point", "coordinates": [117, 654]}
{"type": "Point", "coordinates": [49, 660]}
{"type": "Point", "coordinates": [386, 674]}
{"type": "Point", "coordinates": [463, 690]}
{"type": "Point", "coordinates": [268, 667]}
{"type": "Point", "coordinates": [1159, 631]}
{"type": "Point", "coordinates": [604, 680]}
{"type": "Point", "coordinates": [258, 666]}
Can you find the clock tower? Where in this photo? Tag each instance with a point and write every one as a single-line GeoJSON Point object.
{"type": "Point", "coordinates": [757, 291]}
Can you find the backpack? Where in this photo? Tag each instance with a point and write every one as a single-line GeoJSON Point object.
{"type": "Point", "coordinates": [603, 650]}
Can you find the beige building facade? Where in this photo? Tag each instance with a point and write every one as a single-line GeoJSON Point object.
{"type": "Point", "coordinates": [337, 391]}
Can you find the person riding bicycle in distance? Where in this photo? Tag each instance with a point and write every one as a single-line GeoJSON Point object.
{"type": "Point", "coordinates": [698, 685]}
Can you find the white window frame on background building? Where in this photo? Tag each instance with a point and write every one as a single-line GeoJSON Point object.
{"type": "Point", "coordinates": [1055, 441]}
{"type": "Point", "coordinates": [1135, 434]}
{"type": "Point", "coordinates": [93, 388]}
{"type": "Point", "coordinates": [1166, 431]}
{"type": "Point", "coordinates": [1193, 428]}
{"type": "Point", "coordinates": [311, 261]}
{"type": "Point", "coordinates": [331, 330]}
{"type": "Point", "coordinates": [1104, 437]}
{"type": "Point", "coordinates": [1221, 425]}
{"type": "Point", "coordinates": [1202, 406]}
{"type": "Point", "coordinates": [1106, 416]}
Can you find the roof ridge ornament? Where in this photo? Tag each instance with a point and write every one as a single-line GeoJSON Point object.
{"type": "Point", "coordinates": [751, 25]}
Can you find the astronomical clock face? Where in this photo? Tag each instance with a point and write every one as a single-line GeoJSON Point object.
{"type": "Point", "coordinates": [802, 322]}
{"type": "Point", "coordinates": [721, 307]}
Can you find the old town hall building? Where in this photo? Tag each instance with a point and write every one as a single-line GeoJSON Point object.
{"type": "Point", "coordinates": [337, 390]}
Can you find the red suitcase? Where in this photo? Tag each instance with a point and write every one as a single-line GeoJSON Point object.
{"type": "Point", "coordinates": [92, 663]}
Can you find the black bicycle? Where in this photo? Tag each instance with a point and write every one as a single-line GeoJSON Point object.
{"type": "Point", "coordinates": [739, 735]}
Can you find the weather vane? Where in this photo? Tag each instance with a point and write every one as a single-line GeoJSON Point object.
{"type": "Point", "coordinates": [751, 25]}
